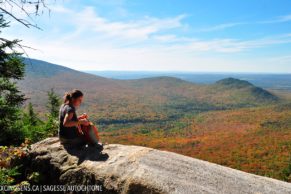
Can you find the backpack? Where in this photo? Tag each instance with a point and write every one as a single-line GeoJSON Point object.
{"type": "Point", "coordinates": [90, 133]}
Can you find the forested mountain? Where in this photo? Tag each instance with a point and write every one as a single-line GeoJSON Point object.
{"type": "Point", "coordinates": [277, 81]}
{"type": "Point", "coordinates": [148, 99]}
{"type": "Point", "coordinates": [230, 122]}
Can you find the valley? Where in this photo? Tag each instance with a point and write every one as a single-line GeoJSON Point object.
{"type": "Point", "coordinates": [230, 121]}
{"type": "Point", "coordinates": [164, 98]}
{"type": "Point", "coordinates": [255, 140]}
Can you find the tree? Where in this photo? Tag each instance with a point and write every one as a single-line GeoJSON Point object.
{"type": "Point", "coordinates": [32, 116]}
{"type": "Point", "coordinates": [53, 104]}
{"type": "Point", "coordinates": [286, 173]}
{"type": "Point", "coordinates": [11, 69]}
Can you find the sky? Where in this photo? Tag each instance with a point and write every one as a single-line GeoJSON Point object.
{"type": "Point", "coordinates": [162, 35]}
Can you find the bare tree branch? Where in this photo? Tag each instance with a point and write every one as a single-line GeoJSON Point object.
{"type": "Point", "coordinates": [22, 21]}
{"type": "Point", "coordinates": [21, 11]}
{"type": "Point", "coordinates": [24, 6]}
{"type": "Point", "coordinates": [16, 42]}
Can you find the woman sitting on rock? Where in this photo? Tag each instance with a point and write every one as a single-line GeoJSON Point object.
{"type": "Point", "coordinates": [72, 131]}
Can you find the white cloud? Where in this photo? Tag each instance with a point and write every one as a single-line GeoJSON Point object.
{"type": "Point", "coordinates": [285, 18]}
{"type": "Point", "coordinates": [285, 59]}
{"type": "Point", "coordinates": [136, 29]}
{"type": "Point", "coordinates": [150, 59]}
{"type": "Point", "coordinates": [221, 27]}
{"type": "Point", "coordinates": [189, 56]}
{"type": "Point", "coordinates": [60, 9]}
{"type": "Point", "coordinates": [280, 19]}
{"type": "Point", "coordinates": [218, 27]}
{"type": "Point", "coordinates": [120, 33]}
{"type": "Point", "coordinates": [225, 45]}
{"type": "Point", "coordinates": [147, 43]}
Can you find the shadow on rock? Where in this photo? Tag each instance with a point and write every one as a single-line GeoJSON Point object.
{"type": "Point", "coordinates": [86, 153]}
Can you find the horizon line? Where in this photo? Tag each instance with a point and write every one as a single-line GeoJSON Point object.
{"type": "Point", "coordinates": [164, 71]}
{"type": "Point", "coordinates": [186, 72]}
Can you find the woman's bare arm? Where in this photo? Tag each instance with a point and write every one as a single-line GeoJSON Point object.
{"type": "Point", "coordinates": [68, 121]}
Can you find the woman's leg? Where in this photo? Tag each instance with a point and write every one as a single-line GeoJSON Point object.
{"type": "Point", "coordinates": [92, 136]}
{"type": "Point", "coordinates": [94, 140]}
{"type": "Point", "coordinates": [76, 142]}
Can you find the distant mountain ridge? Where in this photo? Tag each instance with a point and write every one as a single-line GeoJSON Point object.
{"type": "Point", "coordinates": [232, 82]}
{"type": "Point", "coordinates": [148, 99]}
{"type": "Point", "coordinates": [253, 90]}
{"type": "Point", "coordinates": [40, 68]}
{"type": "Point", "coordinates": [43, 68]}
{"type": "Point", "coordinates": [266, 80]}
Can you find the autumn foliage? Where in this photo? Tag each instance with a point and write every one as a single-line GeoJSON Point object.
{"type": "Point", "coordinates": [255, 140]}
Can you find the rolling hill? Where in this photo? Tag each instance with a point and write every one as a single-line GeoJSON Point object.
{"type": "Point", "coordinates": [230, 122]}
{"type": "Point", "coordinates": [275, 81]}
{"type": "Point", "coordinates": [148, 99]}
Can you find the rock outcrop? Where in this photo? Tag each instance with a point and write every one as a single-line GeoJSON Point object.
{"type": "Point", "coordinates": [134, 169]}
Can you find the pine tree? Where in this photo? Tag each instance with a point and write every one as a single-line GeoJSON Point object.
{"type": "Point", "coordinates": [11, 69]}
{"type": "Point", "coordinates": [53, 104]}
{"type": "Point", "coordinates": [32, 116]}
{"type": "Point", "coordinates": [286, 173]}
